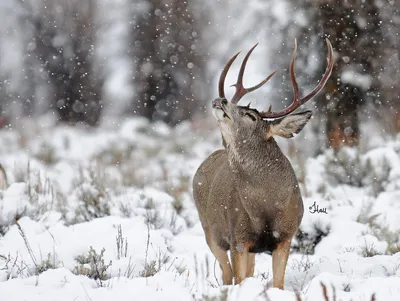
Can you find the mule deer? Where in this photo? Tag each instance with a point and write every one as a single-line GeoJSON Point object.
{"type": "Point", "coordinates": [247, 194]}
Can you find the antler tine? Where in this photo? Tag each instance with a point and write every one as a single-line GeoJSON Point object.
{"type": "Point", "coordinates": [223, 76]}
{"type": "Point", "coordinates": [292, 75]}
{"type": "Point", "coordinates": [240, 90]}
{"type": "Point", "coordinates": [297, 102]}
{"type": "Point", "coordinates": [260, 84]}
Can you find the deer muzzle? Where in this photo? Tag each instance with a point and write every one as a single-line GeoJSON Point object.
{"type": "Point", "coordinates": [218, 102]}
{"type": "Point", "coordinates": [219, 109]}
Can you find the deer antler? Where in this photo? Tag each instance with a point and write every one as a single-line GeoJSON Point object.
{"type": "Point", "coordinates": [297, 102]}
{"type": "Point", "coordinates": [240, 90]}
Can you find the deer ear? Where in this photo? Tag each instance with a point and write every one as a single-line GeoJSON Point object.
{"type": "Point", "coordinates": [288, 126]}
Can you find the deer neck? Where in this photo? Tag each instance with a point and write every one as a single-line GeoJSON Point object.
{"type": "Point", "coordinates": [254, 157]}
{"type": "Point", "coordinates": [255, 167]}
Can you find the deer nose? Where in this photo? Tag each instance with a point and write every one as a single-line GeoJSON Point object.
{"type": "Point", "coordinates": [217, 103]}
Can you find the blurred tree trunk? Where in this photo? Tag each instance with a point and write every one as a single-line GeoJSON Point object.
{"type": "Point", "coordinates": [355, 31]}
{"type": "Point", "coordinates": [64, 36]}
{"type": "Point", "coordinates": [353, 27]}
{"type": "Point", "coordinates": [391, 66]}
{"type": "Point", "coordinates": [169, 76]}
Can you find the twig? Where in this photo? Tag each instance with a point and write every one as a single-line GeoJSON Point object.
{"type": "Point", "coordinates": [334, 293]}
{"type": "Point", "coordinates": [147, 248]}
{"type": "Point", "coordinates": [27, 245]}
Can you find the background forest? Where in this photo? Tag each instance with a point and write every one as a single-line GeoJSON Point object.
{"type": "Point", "coordinates": [105, 116]}
{"type": "Point", "coordinates": [160, 59]}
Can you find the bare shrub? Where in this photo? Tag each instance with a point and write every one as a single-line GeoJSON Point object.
{"type": "Point", "coordinates": [93, 266]}
{"type": "Point", "coordinates": [368, 250]}
{"type": "Point", "coordinates": [122, 244]}
{"type": "Point", "coordinates": [302, 265]}
{"type": "Point", "coordinates": [382, 232]}
{"type": "Point", "coordinates": [15, 267]}
{"type": "Point", "coordinates": [40, 266]}
{"type": "Point", "coordinates": [177, 189]}
{"type": "Point", "coordinates": [92, 194]}
{"type": "Point", "coordinates": [39, 197]}
{"type": "Point", "coordinates": [307, 241]}
{"type": "Point", "coordinates": [175, 229]}
{"type": "Point", "coordinates": [116, 154]}
{"type": "Point", "coordinates": [46, 154]}
{"type": "Point", "coordinates": [346, 167]}
{"type": "Point", "coordinates": [49, 263]}
{"type": "Point", "coordinates": [154, 266]}
{"type": "Point", "coordinates": [378, 179]}
{"type": "Point", "coordinates": [152, 214]}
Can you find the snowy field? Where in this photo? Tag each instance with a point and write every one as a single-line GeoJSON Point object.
{"type": "Point", "coordinates": [107, 214]}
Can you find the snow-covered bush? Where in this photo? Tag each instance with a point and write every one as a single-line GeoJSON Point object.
{"type": "Point", "coordinates": [306, 241]}
{"type": "Point", "coordinates": [345, 167]}
{"type": "Point", "coordinates": [33, 199]}
{"type": "Point", "coordinates": [93, 266]}
{"type": "Point", "coordinates": [92, 195]}
{"type": "Point", "coordinates": [377, 170]}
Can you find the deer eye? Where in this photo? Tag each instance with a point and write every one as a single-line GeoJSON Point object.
{"type": "Point", "coordinates": [251, 116]}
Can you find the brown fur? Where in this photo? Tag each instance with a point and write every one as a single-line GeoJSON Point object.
{"type": "Point", "coordinates": [3, 178]}
{"type": "Point", "coordinates": [247, 194]}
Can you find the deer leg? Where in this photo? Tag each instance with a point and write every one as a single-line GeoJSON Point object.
{"type": "Point", "coordinates": [222, 257]}
{"type": "Point", "coordinates": [279, 259]}
{"type": "Point", "coordinates": [239, 263]}
{"type": "Point", "coordinates": [251, 258]}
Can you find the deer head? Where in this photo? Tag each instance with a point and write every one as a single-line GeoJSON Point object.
{"type": "Point", "coordinates": [240, 121]}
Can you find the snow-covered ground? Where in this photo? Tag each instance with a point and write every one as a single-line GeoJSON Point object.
{"type": "Point", "coordinates": [107, 214]}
